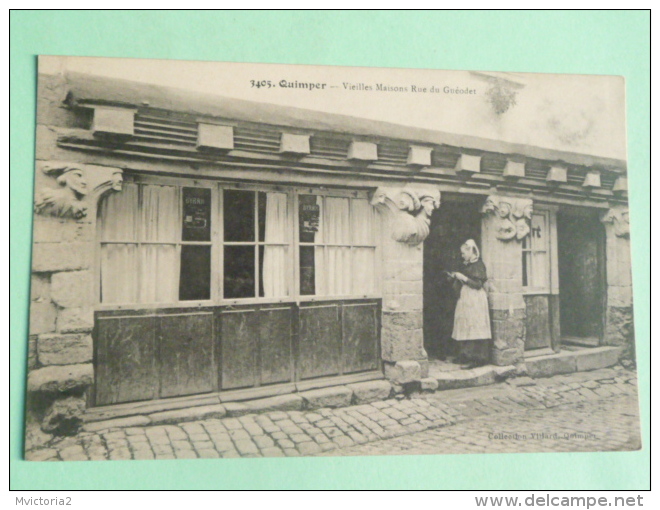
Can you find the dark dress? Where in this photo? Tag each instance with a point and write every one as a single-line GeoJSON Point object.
{"type": "Point", "coordinates": [472, 331]}
{"type": "Point", "coordinates": [476, 273]}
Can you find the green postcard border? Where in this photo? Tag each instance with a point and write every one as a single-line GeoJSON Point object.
{"type": "Point", "coordinates": [582, 42]}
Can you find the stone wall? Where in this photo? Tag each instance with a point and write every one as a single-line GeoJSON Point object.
{"type": "Point", "coordinates": [619, 327]}
{"type": "Point", "coordinates": [502, 255]}
{"type": "Point", "coordinates": [60, 370]}
{"type": "Point", "coordinates": [61, 316]}
{"type": "Point", "coordinates": [405, 214]}
{"type": "Point", "coordinates": [62, 290]}
{"type": "Point", "coordinates": [402, 334]}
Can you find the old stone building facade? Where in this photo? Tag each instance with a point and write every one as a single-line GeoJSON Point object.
{"type": "Point", "coordinates": [191, 250]}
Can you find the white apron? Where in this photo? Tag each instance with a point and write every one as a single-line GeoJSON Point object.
{"type": "Point", "coordinates": [472, 319]}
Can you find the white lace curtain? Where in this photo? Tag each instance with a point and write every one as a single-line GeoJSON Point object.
{"type": "Point", "coordinates": [140, 273]}
{"type": "Point", "coordinates": [275, 276]}
{"type": "Point", "coordinates": [349, 269]}
{"type": "Point", "coordinates": [140, 230]}
{"type": "Point", "coordinates": [363, 229]}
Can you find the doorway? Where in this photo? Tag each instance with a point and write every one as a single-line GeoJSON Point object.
{"type": "Point", "coordinates": [457, 220]}
{"type": "Point", "coordinates": [581, 246]}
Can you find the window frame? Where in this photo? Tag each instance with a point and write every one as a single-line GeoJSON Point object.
{"type": "Point", "coordinates": [292, 269]}
{"type": "Point", "coordinates": [550, 249]}
{"type": "Point", "coordinates": [142, 180]}
{"type": "Point", "coordinates": [338, 193]}
{"type": "Point", "coordinates": [217, 243]}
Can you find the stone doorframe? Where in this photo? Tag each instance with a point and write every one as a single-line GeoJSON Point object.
{"type": "Point", "coordinates": [506, 222]}
{"type": "Point", "coordinates": [406, 214]}
{"type": "Point", "coordinates": [407, 211]}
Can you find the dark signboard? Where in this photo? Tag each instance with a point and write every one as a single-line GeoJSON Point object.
{"type": "Point", "coordinates": [308, 217]}
{"type": "Point", "coordinates": [196, 214]}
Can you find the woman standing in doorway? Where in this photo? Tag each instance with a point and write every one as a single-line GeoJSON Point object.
{"type": "Point", "coordinates": [472, 319]}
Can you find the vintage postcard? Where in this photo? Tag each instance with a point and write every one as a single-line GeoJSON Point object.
{"type": "Point", "coordinates": [242, 260]}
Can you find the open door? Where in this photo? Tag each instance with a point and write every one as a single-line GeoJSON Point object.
{"type": "Point", "coordinates": [451, 225]}
{"type": "Point", "coordinates": [581, 277]}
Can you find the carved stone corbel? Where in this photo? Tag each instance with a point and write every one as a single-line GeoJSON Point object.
{"type": "Point", "coordinates": [411, 208]}
{"type": "Point", "coordinates": [619, 219]}
{"type": "Point", "coordinates": [513, 216]}
{"type": "Point", "coordinates": [75, 189]}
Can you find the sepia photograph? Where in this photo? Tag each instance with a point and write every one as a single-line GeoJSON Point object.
{"type": "Point", "coordinates": [261, 260]}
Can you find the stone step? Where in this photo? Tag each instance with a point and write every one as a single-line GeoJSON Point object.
{"type": "Point", "coordinates": [547, 365]}
{"type": "Point", "coordinates": [199, 409]}
{"type": "Point", "coordinates": [566, 362]}
{"type": "Point", "coordinates": [480, 376]}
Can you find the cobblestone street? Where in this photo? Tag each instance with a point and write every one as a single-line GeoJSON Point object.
{"type": "Point", "coordinates": [583, 411]}
{"type": "Point", "coordinates": [587, 426]}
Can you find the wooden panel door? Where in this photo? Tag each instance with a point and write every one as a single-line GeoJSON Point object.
{"type": "Point", "coordinates": [125, 358]}
{"type": "Point", "coordinates": [239, 340]}
{"type": "Point", "coordinates": [186, 354]}
{"type": "Point", "coordinates": [275, 345]}
{"type": "Point", "coordinates": [360, 337]}
{"type": "Point", "coordinates": [538, 333]}
{"type": "Point", "coordinates": [320, 340]}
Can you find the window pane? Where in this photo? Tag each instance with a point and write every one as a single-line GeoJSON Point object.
{"type": "Point", "coordinates": [338, 271]}
{"type": "Point", "coordinates": [159, 213]}
{"type": "Point", "coordinates": [362, 222]}
{"type": "Point", "coordinates": [119, 269]}
{"type": "Point", "coordinates": [273, 271]}
{"type": "Point", "coordinates": [336, 217]}
{"type": "Point", "coordinates": [539, 275]}
{"type": "Point", "coordinates": [261, 211]}
{"type": "Point", "coordinates": [364, 270]}
{"type": "Point", "coordinates": [195, 280]}
{"type": "Point", "coordinates": [239, 215]}
{"type": "Point", "coordinates": [309, 218]}
{"type": "Point", "coordinates": [196, 214]}
{"type": "Point", "coordinates": [239, 272]}
{"type": "Point", "coordinates": [118, 214]}
{"type": "Point", "coordinates": [539, 234]}
{"type": "Point", "coordinates": [307, 271]}
{"type": "Point", "coordinates": [158, 271]}
{"type": "Point", "coordinates": [525, 266]}
{"type": "Point", "coordinates": [273, 218]}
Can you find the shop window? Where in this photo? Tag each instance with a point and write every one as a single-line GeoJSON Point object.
{"type": "Point", "coordinates": [256, 247]}
{"type": "Point", "coordinates": [337, 246]}
{"type": "Point", "coordinates": [150, 251]}
{"type": "Point", "coordinates": [536, 254]}
{"type": "Point", "coordinates": [162, 244]}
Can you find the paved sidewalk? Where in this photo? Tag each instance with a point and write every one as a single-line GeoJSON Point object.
{"type": "Point", "coordinates": [383, 427]}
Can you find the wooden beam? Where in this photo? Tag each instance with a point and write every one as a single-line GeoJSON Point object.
{"type": "Point", "coordinates": [113, 121]}
{"type": "Point", "coordinates": [363, 151]}
{"type": "Point", "coordinates": [620, 186]}
{"type": "Point", "coordinates": [468, 163]}
{"type": "Point", "coordinates": [514, 169]}
{"type": "Point", "coordinates": [419, 156]}
{"type": "Point", "coordinates": [592, 179]}
{"type": "Point", "coordinates": [214, 136]}
{"type": "Point", "coordinates": [557, 174]}
{"type": "Point", "coordinates": [294, 144]}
